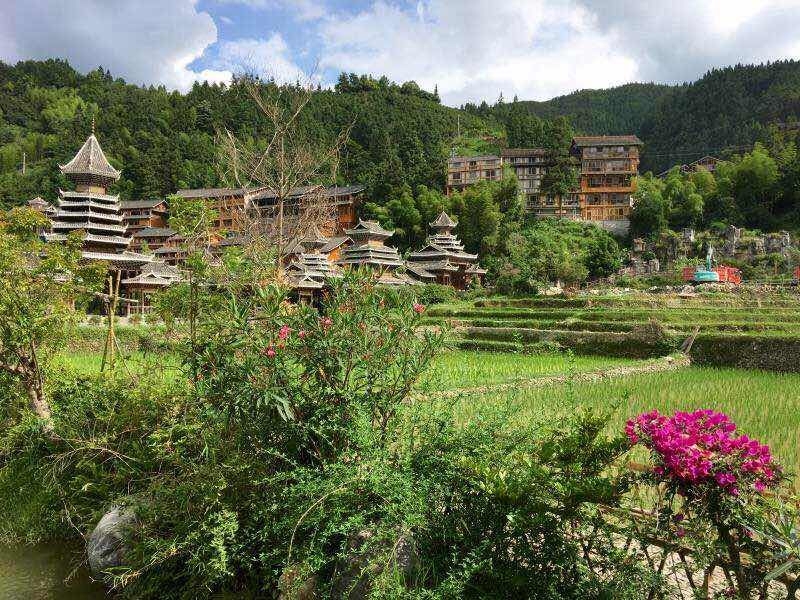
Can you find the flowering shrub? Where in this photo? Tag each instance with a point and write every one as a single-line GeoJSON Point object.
{"type": "Point", "coordinates": [711, 481]}
{"type": "Point", "coordinates": [702, 448]}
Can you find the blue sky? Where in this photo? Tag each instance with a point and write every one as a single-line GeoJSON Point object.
{"type": "Point", "coordinates": [471, 49]}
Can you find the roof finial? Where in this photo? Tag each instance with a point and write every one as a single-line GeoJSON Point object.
{"type": "Point", "coordinates": [92, 124]}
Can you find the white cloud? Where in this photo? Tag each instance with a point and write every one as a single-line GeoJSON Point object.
{"type": "Point", "coordinates": [303, 10]}
{"type": "Point", "coordinates": [146, 42]}
{"type": "Point", "coordinates": [538, 49]}
{"type": "Point", "coordinates": [475, 50]}
{"type": "Point", "coordinates": [266, 57]}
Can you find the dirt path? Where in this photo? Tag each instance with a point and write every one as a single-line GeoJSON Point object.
{"type": "Point", "coordinates": [657, 365]}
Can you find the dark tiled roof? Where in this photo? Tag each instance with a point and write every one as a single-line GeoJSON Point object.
{"type": "Point", "coordinates": [418, 271]}
{"type": "Point", "coordinates": [149, 232]}
{"type": "Point", "coordinates": [372, 227]}
{"type": "Point", "coordinates": [256, 194]}
{"type": "Point", "coordinates": [129, 204]}
{"type": "Point", "coordinates": [90, 160]}
{"type": "Point", "coordinates": [346, 190]}
{"type": "Point", "coordinates": [334, 243]}
{"type": "Point", "coordinates": [443, 220]}
{"type": "Point", "coordinates": [453, 159]}
{"type": "Point", "coordinates": [607, 140]}
{"type": "Point", "coordinates": [210, 192]}
{"type": "Point", "coordinates": [520, 152]}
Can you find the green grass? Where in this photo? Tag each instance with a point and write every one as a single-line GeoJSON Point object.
{"type": "Point", "coordinates": [467, 369]}
{"type": "Point", "coordinates": [764, 405]}
{"type": "Point", "coordinates": [135, 362]}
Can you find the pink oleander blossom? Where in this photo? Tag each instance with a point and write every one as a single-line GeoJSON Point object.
{"type": "Point", "coordinates": [702, 447]}
{"type": "Point", "coordinates": [419, 308]}
{"type": "Point", "coordinates": [302, 334]}
{"type": "Point", "coordinates": [326, 322]}
{"type": "Point", "coordinates": [270, 352]}
{"type": "Point", "coordinates": [284, 332]}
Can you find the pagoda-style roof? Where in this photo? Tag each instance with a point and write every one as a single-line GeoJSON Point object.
{"type": "Point", "coordinates": [417, 271]}
{"type": "Point", "coordinates": [443, 221]}
{"type": "Point", "coordinates": [365, 254]}
{"type": "Point", "coordinates": [314, 240]}
{"type": "Point", "coordinates": [435, 251]}
{"type": "Point", "coordinates": [154, 274]}
{"type": "Point", "coordinates": [90, 160]}
{"type": "Point", "coordinates": [118, 259]}
{"type": "Point", "coordinates": [335, 242]}
{"type": "Point", "coordinates": [87, 213]}
{"type": "Point", "coordinates": [369, 230]}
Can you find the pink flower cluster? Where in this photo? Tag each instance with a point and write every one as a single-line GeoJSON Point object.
{"type": "Point", "coordinates": [702, 447]}
{"type": "Point", "coordinates": [419, 308]}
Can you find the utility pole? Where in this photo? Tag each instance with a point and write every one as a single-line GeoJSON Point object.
{"type": "Point", "coordinates": [23, 163]}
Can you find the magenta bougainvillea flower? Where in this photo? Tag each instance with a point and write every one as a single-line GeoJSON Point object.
{"type": "Point", "coordinates": [703, 447]}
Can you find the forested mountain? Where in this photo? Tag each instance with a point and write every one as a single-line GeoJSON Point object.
{"type": "Point", "coordinates": [614, 110]}
{"type": "Point", "coordinates": [401, 134]}
{"type": "Point", "coordinates": [725, 111]}
{"type": "Point", "coordinates": [166, 140]}
{"type": "Point", "coordinates": [729, 107]}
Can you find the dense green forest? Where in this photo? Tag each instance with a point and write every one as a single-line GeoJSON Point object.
{"type": "Point", "coordinates": [165, 140]}
{"type": "Point", "coordinates": [401, 135]}
{"type": "Point", "coordinates": [723, 113]}
{"type": "Point", "coordinates": [622, 109]}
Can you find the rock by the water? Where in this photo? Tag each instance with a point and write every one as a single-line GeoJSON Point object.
{"type": "Point", "coordinates": [106, 544]}
{"type": "Point", "coordinates": [354, 575]}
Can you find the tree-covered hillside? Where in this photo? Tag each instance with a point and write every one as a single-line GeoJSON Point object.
{"type": "Point", "coordinates": [724, 112]}
{"type": "Point", "coordinates": [614, 110]}
{"type": "Point", "coordinates": [730, 107]}
{"type": "Point", "coordinates": [166, 140]}
{"type": "Point", "coordinates": [401, 134]}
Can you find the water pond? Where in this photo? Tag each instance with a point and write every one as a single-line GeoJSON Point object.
{"type": "Point", "coordinates": [39, 573]}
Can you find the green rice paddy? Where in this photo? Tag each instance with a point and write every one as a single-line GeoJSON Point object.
{"type": "Point", "coordinates": [765, 405]}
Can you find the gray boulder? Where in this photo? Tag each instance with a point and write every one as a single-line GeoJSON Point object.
{"type": "Point", "coordinates": [367, 560]}
{"type": "Point", "coordinates": [106, 544]}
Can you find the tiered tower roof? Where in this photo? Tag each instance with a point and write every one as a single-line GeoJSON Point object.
{"type": "Point", "coordinates": [90, 163]}
{"type": "Point", "coordinates": [91, 209]}
{"type": "Point", "coordinates": [442, 246]}
{"type": "Point", "coordinates": [368, 247]}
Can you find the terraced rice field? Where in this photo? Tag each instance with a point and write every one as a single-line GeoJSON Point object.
{"type": "Point", "coordinates": [765, 405]}
{"type": "Point", "coordinates": [464, 369]}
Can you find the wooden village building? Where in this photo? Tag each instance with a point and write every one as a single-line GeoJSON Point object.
{"type": "Point", "coordinates": [99, 217]}
{"type": "Point", "coordinates": [234, 207]}
{"type": "Point", "coordinates": [150, 238]}
{"type": "Point", "coordinates": [143, 214]}
{"type": "Point", "coordinates": [443, 259]}
{"type": "Point", "coordinates": [369, 250]}
{"type": "Point", "coordinates": [463, 171]}
{"type": "Point", "coordinates": [93, 211]}
{"type": "Point", "coordinates": [608, 166]}
{"type": "Point", "coordinates": [530, 165]}
{"type": "Point", "coordinates": [134, 239]}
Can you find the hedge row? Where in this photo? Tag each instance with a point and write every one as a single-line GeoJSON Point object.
{"type": "Point", "coordinates": [131, 338]}
{"type": "Point", "coordinates": [649, 301]}
{"type": "Point", "coordinates": [628, 345]}
{"type": "Point", "coordinates": [623, 326]}
{"type": "Point", "coordinates": [771, 353]}
{"type": "Point", "coordinates": [768, 352]}
{"type": "Point", "coordinates": [665, 315]}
